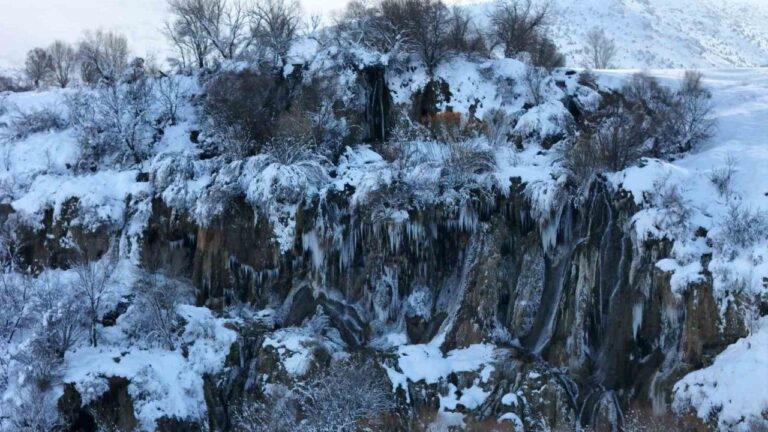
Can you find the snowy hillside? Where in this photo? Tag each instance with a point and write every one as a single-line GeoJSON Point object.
{"type": "Point", "coordinates": [383, 227]}
{"type": "Point", "coordinates": [656, 34]}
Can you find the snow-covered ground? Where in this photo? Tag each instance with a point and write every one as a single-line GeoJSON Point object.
{"type": "Point", "coordinates": [652, 34]}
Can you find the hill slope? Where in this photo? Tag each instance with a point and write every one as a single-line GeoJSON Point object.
{"type": "Point", "coordinates": [661, 34]}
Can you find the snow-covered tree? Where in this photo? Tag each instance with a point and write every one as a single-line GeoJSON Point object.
{"type": "Point", "coordinates": [94, 282]}
{"type": "Point", "coordinates": [337, 398]}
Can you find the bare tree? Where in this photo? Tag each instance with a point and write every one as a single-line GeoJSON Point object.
{"type": "Point", "coordinates": [189, 39]}
{"type": "Point", "coordinates": [600, 49]}
{"type": "Point", "coordinates": [94, 280]}
{"type": "Point", "coordinates": [364, 24]}
{"type": "Point", "coordinates": [462, 36]}
{"type": "Point", "coordinates": [518, 25]}
{"type": "Point", "coordinates": [695, 107]}
{"type": "Point", "coordinates": [64, 61]}
{"type": "Point", "coordinates": [224, 24]}
{"type": "Point", "coordinates": [38, 66]}
{"type": "Point", "coordinates": [16, 291]}
{"type": "Point", "coordinates": [103, 56]}
{"type": "Point", "coordinates": [276, 25]}
{"type": "Point", "coordinates": [424, 25]}
{"type": "Point", "coordinates": [170, 94]}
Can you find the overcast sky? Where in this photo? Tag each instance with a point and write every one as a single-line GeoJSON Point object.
{"type": "Point", "coordinates": [25, 24]}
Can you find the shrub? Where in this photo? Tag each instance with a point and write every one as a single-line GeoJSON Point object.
{"type": "Point", "coordinates": [463, 161]}
{"type": "Point", "coordinates": [242, 109]}
{"type": "Point", "coordinates": [338, 398]}
{"type": "Point", "coordinates": [722, 177]}
{"type": "Point", "coordinates": [742, 227]}
{"type": "Point", "coordinates": [644, 119]}
{"type": "Point", "coordinates": [114, 124]}
{"type": "Point", "coordinates": [616, 141]}
{"type": "Point", "coordinates": [156, 300]}
{"type": "Point", "coordinates": [22, 124]}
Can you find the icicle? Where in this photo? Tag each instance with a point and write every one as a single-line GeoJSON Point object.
{"type": "Point", "coordinates": [311, 243]}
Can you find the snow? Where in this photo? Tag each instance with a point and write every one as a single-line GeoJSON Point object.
{"type": "Point", "coordinates": [162, 383]}
{"type": "Point", "coordinates": [733, 386]}
{"type": "Point", "coordinates": [653, 34]}
{"type": "Point", "coordinates": [102, 195]}
{"type": "Point", "coordinates": [510, 399]}
{"type": "Point", "coordinates": [426, 362]}
{"type": "Point", "coordinates": [294, 349]}
{"type": "Point", "coordinates": [514, 419]}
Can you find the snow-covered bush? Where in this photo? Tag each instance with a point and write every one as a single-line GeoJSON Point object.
{"type": "Point", "coordinates": [722, 177]}
{"type": "Point", "coordinates": [59, 325]}
{"type": "Point", "coordinates": [170, 95]}
{"type": "Point", "coordinates": [156, 299]}
{"type": "Point", "coordinates": [338, 398]}
{"type": "Point", "coordinates": [742, 227]}
{"type": "Point", "coordinates": [22, 124]}
{"type": "Point", "coordinates": [464, 161]}
{"type": "Point", "coordinates": [671, 199]}
{"type": "Point", "coordinates": [114, 124]}
{"type": "Point", "coordinates": [16, 294]}
{"type": "Point", "coordinates": [30, 410]}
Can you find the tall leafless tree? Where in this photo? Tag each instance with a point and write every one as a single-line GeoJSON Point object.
{"type": "Point", "coordinates": [223, 23]}
{"type": "Point", "coordinates": [64, 61]}
{"type": "Point", "coordinates": [38, 66]}
{"type": "Point", "coordinates": [518, 25]}
{"type": "Point", "coordinates": [103, 56]}
{"type": "Point", "coordinates": [600, 49]}
{"type": "Point", "coordinates": [189, 40]}
{"type": "Point", "coordinates": [275, 26]}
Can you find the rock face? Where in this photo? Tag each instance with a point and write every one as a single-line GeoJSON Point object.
{"type": "Point", "coordinates": [586, 325]}
{"type": "Point", "coordinates": [578, 293]}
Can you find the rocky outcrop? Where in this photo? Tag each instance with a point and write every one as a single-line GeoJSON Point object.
{"type": "Point", "coordinates": [579, 293]}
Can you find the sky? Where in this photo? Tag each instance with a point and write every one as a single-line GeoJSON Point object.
{"type": "Point", "coordinates": [25, 24]}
